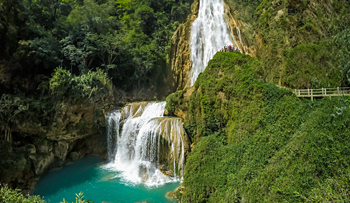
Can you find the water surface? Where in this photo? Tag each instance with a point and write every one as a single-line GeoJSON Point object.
{"type": "Point", "coordinates": [97, 183]}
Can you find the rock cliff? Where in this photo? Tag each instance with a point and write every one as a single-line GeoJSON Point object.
{"type": "Point", "coordinates": [76, 130]}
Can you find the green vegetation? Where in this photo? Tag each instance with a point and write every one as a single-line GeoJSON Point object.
{"type": "Point", "coordinates": [60, 57]}
{"type": "Point", "coordinates": [79, 199]}
{"type": "Point", "coordinates": [127, 39]}
{"type": "Point", "coordinates": [97, 44]}
{"type": "Point", "coordinates": [301, 44]}
{"type": "Point", "coordinates": [256, 142]}
{"type": "Point", "coordinates": [93, 84]}
{"type": "Point", "coordinates": [8, 195]}
{"type": "Point", "coordinates": [12, 161]}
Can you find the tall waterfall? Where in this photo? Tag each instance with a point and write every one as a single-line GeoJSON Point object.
{"type": "Point", "coordinates": [144, 146]}
{"type": "Point", "coordinates": [209, 33]}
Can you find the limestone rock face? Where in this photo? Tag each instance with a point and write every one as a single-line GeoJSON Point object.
{"type": "Point", "coordinates": [61, 150]}
{"type": "Point", "coordinates": [78, 128]}
{"type": "Point", "coordinates": [240, 30]}
{"type": "Point", "coordinates": [180, 55]}
{"type": "Point", "coordinates": [41, 162]}
{"type": "Point", "coordinates": [174, 146]}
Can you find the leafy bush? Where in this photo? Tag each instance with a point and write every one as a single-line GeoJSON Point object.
{"type": "Point", "coordinates": [336, 189]}
{"type": "Point", "coordinates": [8, 195]}
{"type": "Point", "coordinates": [93, 85]}
{"type": "Point", "coordinates": [78, 199]}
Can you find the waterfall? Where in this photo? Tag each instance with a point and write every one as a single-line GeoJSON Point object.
{"type": "Point", "coordinates": [144, 146]}
{"type": "Point", "coordinates": [113, 122]}
{"type": "Point", "coordinates": [209, 33]}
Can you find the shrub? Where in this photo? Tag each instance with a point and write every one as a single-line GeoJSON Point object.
{"type": "Point", "coordinates": [93, 85]}
{"type": "Point", "coordinates": [8, 195]}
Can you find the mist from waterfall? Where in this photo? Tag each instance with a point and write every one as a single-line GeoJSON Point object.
{"type": "Point", "coordinates": [140, 140]}
{"type": "Point", "coordinates": [209, 34]}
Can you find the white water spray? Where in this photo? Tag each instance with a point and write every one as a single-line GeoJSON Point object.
{"type": "Point", "coordinates": [145, 141]}
{"type": "Point", "coordinates": [209, 33]}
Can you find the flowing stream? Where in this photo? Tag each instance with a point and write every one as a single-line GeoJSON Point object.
{"type": "Point", "coordinates": [209, 33]}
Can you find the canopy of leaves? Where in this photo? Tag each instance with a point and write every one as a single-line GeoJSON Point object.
{"type": "Point", "coordinates": [93, 85]}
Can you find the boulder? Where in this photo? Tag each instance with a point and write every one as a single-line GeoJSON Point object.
{"type": "Point", "coordinates": [176, 194]}
{"type": "Point", "coordinates": [74, 155]}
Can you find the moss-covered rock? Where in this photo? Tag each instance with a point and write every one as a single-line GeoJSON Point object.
{"type": "Point", "coordinates": [206, 106]}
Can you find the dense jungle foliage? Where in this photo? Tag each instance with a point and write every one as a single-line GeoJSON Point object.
{"type": "Point", "coordinates": [301, 43]}
{"type": "Point", "coordinates": [256, 142]}
{"type": "Point", "coordinates": [76, 50]}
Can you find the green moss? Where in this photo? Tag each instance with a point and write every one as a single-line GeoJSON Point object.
{"type": "Point", "coordinates": [174, 100]}
{"type": "Point", "coordinates": [210, 105]}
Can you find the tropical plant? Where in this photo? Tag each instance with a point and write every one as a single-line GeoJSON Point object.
{"type": "Point", "coordinates": [78, 199]}
{"type": "Point", "coordinates": [8, 195]}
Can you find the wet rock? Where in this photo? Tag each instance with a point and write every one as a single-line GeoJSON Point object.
{"type": "Point", "coordinates": [176, 194]}
{"type": "Point", "coordinates": [143, 173]}
{"type": "Point", "coordinates": [74, 155]}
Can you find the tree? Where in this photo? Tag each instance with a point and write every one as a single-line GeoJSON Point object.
{"type": "Point", "coordinates": [109, 47]}
{"type": "Point", "coordinates": [78, 49]}
{"type": "Point", "coordinates": [10, 107]}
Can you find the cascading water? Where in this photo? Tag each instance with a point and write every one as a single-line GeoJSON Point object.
{"type": "Point", "coordinates": [113, 123]}
{"type": "Point", "coordinates": [145, 146]}
{"type": "Point", "coordinates": [209, 33]}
